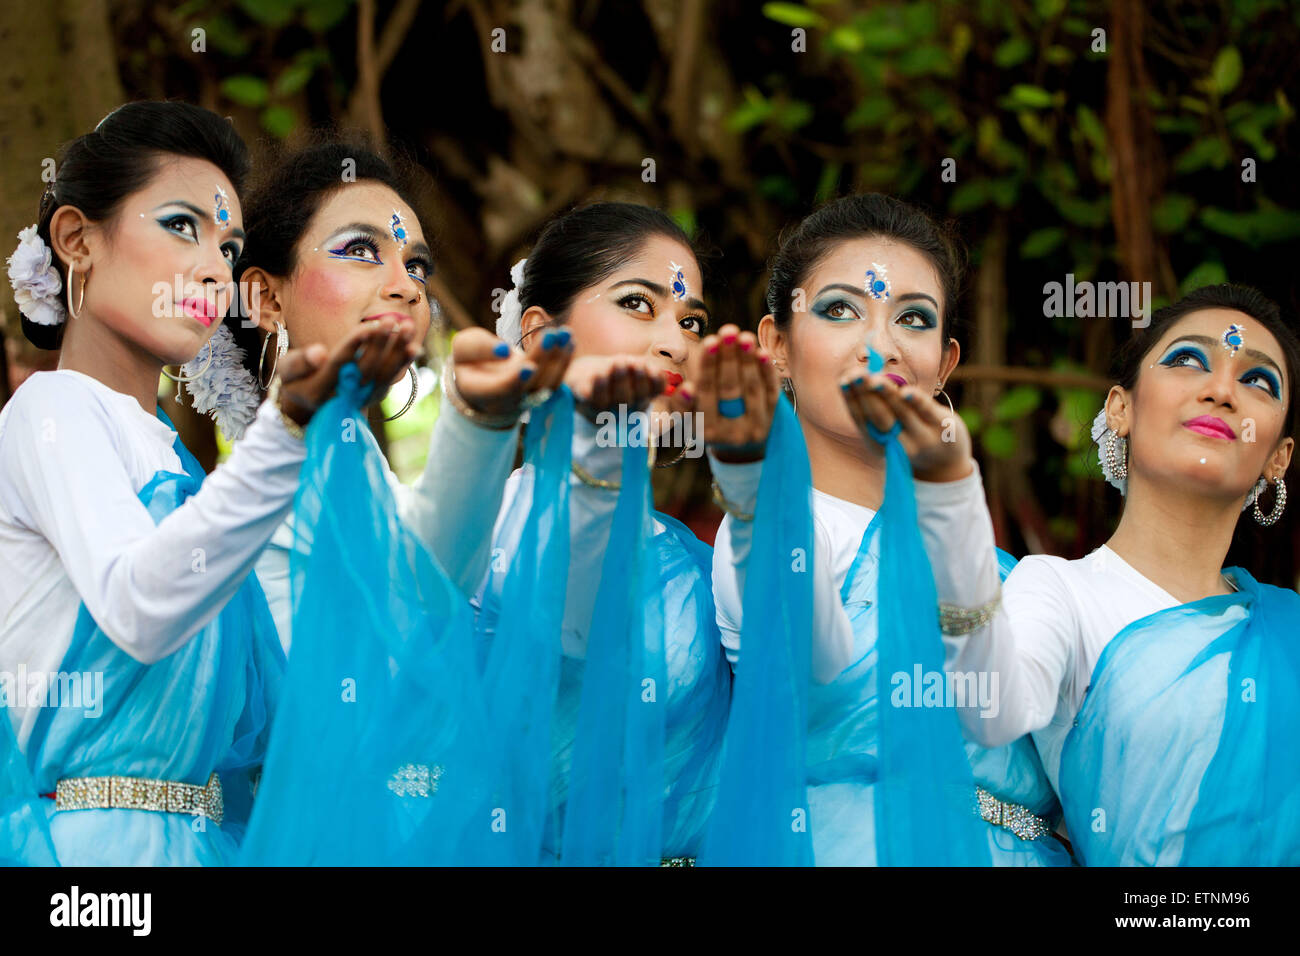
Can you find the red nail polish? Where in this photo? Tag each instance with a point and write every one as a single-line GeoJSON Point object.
{"type": "Point", "coordinates": [762, 360]}
{"type": "Point", "coordinates": [729, 339]}
{"type": "Point", "coordinates": [713, 349]}
{"type": "Point", "coordinates": [746, 346]}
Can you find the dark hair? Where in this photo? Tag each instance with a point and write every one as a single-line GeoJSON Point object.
{"type": "Point", "coordinates": [1241, 298]}
{"type": "Point", "coordinates": [288, 194]}
{"type": "Point", "coordinates": [859, 217]}
{"type": "Point", "coordinates": [97, 171]}
{"type": "Point", "coordinates": [585, 246]}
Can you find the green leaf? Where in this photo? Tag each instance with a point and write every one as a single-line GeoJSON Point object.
{"type": "Point", "coordinates": [293, 79]}
{"type": "Point", "coordinates": [968, 197]}
{"type": "Point", "coordinates": [1172, 212]}
{"type": "Point", "coordinates": [1225, 74]}
{"type": "Point", "coordinates": [828, 183]}
{"type": "Point", "coordinates": [1048, 9]}
{"type": "Point", "coordinates": [279, 121]}
{"type": "Point", "coordinates": [1258, 228]}
{"type": "Point", "coordinates": [926, 59]}
{"type": "Point", "coordinates": [921, 20]}
{"type": "Point", "coordinates": [1012, 52]}
{"type": "Point", "coordinates": [1059, 55]}
{"type": "Point", "coordinates": [844, 40]}
{"type": "Point", "coordinates": [1017, 403]}
{"type": "Point", "coordinates": [226, 38]}
{"type": "Point", "coordinates": [1027, 96]}
{"type": "Point", "coordinates": [1082, 212]}
{"type": "Point", "coordinates": [793, 15]}
{"type": "Point", "coordinates": [793, 114]}
{"type": "Point", "coordinates": [1042, 242]}
{"type": "Point", "coordinates": [999, 440]}
{"type": "Point", "coordinates": [245, 90]}
{"type": "Point", "coordinates": [871, 112]}
{"type": "Point", "coordinates": [1202, 153]}
{"type": "Point", "coordinates": [1005, 191]}
{"type": "Point", "coordinates": [1091, 128]}
{"type": "Point", "coordinates": [1037, 131]}
{"type": "Point", "coordinates": [753, 111]}
{"type": "Point", "coordinates": [1207, 273]}
{"type": "Point", "coordinates": [269, 13]}
{"type": "Point", "coordinates": [971, 417]}
{"type": "Point", "coordinates": [321, 15]}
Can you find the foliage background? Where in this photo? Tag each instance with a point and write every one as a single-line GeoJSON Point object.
{"type": "Point", "coordinates": [1122, 163]}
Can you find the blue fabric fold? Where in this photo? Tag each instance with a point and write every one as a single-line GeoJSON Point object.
{"type": "Point", "coordinates": [382, 753]}
{"type": "Point", "coordinates": [1183, 750]}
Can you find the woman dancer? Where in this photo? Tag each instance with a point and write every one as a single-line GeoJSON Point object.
{"type": "Point", "coordinates": [323, 256]}
{"type": "Point", "coordinates": [624, 726]}
{"type": "Point", "coordinates": [124, 573]}
{"type": "Point", "coordinates": [872, 269]}
{"type": "Point", "coordinates": [1161, 687]}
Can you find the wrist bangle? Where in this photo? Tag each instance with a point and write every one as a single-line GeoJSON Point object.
{"type": "Point", "coordinates": [720, 500]}
{"type": "Point", "coordinates": [587, 478]}
{"type": "Point", "coordinates": [292, 427]}
{"type": "Point", "coordinates": [955, 621]}
{"type": "Point", "coordinates": [499, 423]}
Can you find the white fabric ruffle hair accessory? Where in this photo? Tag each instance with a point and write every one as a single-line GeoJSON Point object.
{"type": "Point", "coordinates": [1101, 433]}
{"type": "Point", "coordinates": [37, 285]}
{"type": "Point", "coordinates": [221, 387]}
{"type": "Point", "coordinates": [510, 322]}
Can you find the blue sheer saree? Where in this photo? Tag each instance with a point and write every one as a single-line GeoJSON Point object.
{"type": "Point", "coordinates": [624, 772]}
{"type": "Point", "coordinates": [204, 709]}
{"type": "Point", "coordinates": [885, 785]}
{"type": "Point", "coordinates": [382, 753]}
{"type": "Point", "coordinates": [1183, 752]}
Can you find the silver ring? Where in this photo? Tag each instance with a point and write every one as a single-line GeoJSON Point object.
{"type": "Point", "coordinates": [539, 397]}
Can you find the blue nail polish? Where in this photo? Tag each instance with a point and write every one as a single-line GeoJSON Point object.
{"type": "Point", "coordinates": [548, 340]}
{"type": "Point", "coordinates": [844, 386]}
{"type": "Point", "coordinates": [908, 397]}
{"type": "Point", "coordinates": [525, 374]}
{"type": "Point", "coordinates": [878, 387]}
{"type": "Point", "coordinates": [562, 337]}
{"type": "Point", "coordinates": [859, 380]}
{"type": "Point", "coordinates": [501, 350]}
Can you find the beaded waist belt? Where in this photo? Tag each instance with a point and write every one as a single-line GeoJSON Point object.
{"type": "Point", "coordinates": [1021, 821]}
{"type": "Point", "coordinates": [141, 793]}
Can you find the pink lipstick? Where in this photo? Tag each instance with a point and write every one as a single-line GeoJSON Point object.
{"type": "Point", "coordinates": [1212, 427]}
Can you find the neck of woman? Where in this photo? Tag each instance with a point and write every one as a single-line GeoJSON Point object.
{"type": "Point", "coordinates": [1176, 538]}
{"type": "Point", "coordinates": [93, 349]}
{"type": "Point", "coordinates": [845, 468]}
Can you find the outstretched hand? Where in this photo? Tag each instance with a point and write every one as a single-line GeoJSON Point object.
{"type": "Point", "coordinates": [936, 441]}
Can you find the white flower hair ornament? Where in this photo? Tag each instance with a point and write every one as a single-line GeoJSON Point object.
{"type": "Point", "coordinates": [1106, 438]}
{"type": "Point", "coordinates": [226, 391]}
{"type": "Point", "coordinates": [37, 285]}
{"type": "Point", "coordinates": [510, 321]}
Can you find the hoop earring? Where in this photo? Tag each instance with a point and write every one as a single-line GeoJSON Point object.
{"type": "Point", "coordinates": [181, 379]}
{"type": "Point", "coordinates": [951, 410]}
{"type": "Point", "coordinates": [415, 388]}
{"type": "Point", "coordinates": [1279, 504]}
{"type": "Point", "coordinates": [281, 346]}
{"type": "Point", "coordinates": [1117, 455]}
{"type": "Point", "coordinates": [81, 300]}
{"type": "Point", "coordinates": [788, 385]}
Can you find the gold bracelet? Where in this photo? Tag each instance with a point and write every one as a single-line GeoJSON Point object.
{"type": "Point", "coordinates": [955, 621]}
{"type": "Point", "coordinates": [587, 478]}
{"type": "Point", "coordinates": [292, 427]}
{"type": "Point", "coordinates": [727, 506]}
{"type": "Point", "coordinates": [498, 423]}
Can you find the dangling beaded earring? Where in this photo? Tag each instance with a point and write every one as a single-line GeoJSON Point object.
{"type": "Point", "coordinates": [1279, 504]}
{"type": "Point", "coordinates": [1117, 455]}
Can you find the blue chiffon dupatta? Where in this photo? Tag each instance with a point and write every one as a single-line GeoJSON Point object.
{"type": "Point", "coordinates": [382, 751]}
{"type": "Point", "coordinates": [761, 814]}
{"type": "Point", "coordinates": [924, 800]}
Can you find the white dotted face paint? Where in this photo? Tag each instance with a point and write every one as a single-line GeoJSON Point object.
{"type": "Point", "coordinates": [593, 298]}
{"type": "Point", "coordinates": [678, 281]}
{"type": "Point", "coordinates": [1202, 461]}
{"type": "Point", "coordinates": [877, 282]}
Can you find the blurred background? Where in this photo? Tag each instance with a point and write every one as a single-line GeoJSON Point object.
{"type": "Point", "coordinates": [1113, 141]}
